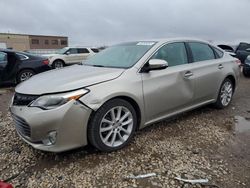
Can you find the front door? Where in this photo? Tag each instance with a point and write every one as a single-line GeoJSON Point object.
{"type": "Point", "coordinates": [72, 56]}
{"type": "Point", "coordinates": [172, 89]}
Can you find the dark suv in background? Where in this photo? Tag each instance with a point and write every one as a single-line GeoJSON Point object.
{"type": "Point", "coordinates": [242, 51]}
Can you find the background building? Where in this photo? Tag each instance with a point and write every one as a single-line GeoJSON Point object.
{"type": "Point", "coordinates": [24, 42]}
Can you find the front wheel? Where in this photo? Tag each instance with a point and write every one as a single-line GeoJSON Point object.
{"type": "Point", "coordinates": [112, 126]}
{"type": "Point", "coordinates": [225, 94]}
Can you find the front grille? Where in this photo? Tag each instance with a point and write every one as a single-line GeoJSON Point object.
{"type": "Point", "coordinates": [23, 99]}
{"type": "Point", "coordinates": [21, 126]}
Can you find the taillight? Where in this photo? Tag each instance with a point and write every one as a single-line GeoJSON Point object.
{"type": "Point", "coordinates": [238, 62]}
{"type": "Point", "coordinates": [46, 61]}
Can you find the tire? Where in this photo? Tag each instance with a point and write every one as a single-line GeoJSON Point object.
{"type": "Point", "coordinates": [24, 75]}
{"type": "Point", "coordinates": [57, 64]}
{"type": "Point", "coordinates": [108, 134]}
{"type": "Point", "coordinates": [245, 73]}
{"type": "Point", "coordinates": [225, 94]}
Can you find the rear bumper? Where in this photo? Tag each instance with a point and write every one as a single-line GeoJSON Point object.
{"type": "Point", "coordinates": [42, 68]}
{"type": "Point", "coordinates": [68, 121]}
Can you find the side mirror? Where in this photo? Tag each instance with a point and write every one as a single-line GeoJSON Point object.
{"type": "Point", "coordinates": [67, 53]}
{"type": "Point", "coordinates": [248, 49]}
{"type": "Point", "coordinates": [155, 64]}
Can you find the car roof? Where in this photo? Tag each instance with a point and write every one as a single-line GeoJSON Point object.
{"type": "Point", "coordinates": [79, 47]}
{"type": "Point", "coordinates": [164, 40]}
{"type": "Point", "coordinates": [7, 50]}
{"type": "Point", "coordinates": [19, 52]}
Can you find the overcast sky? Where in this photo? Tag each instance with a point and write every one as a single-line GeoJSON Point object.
{"type": "Point", "coordinates": [105, 22]}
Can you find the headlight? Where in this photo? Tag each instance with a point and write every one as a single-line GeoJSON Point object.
{"type": "Point", "coordinates": [48, 102]}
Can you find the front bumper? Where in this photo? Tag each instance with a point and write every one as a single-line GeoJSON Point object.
{"type": "Point", "coordinates": [69, 121]}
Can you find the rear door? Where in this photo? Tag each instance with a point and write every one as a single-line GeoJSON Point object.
{"type": "Point", "coordinates": [83, 54]}
{"type": "Point", "coordinates": [169, 90]}
{"type": "Point", "coordinates": [207, 70]}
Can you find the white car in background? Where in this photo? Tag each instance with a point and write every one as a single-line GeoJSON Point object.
{"type": "Point", "coordinates": [70, 55]}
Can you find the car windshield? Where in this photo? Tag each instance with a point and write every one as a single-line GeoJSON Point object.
{"type": "Point", "coordinates": [120, 56]}
{"type": "Point", "coordinates": [62, 51]}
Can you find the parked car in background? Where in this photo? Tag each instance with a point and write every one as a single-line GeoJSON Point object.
{"type": "Point", "coordinates": [16, 67]}
{"type": "Point", "coordinates": [70, 55]}
{"type": "Point", "coordinates": [228, 49]}
{"type": "Point", "coordinates": [246, 67]}
{"type": "Point", "coordinates": [242, 51]}
{"type": "Point", "coordinates": [120, 90]}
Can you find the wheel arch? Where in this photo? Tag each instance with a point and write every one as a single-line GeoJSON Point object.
{"type": "Point", "coordinates": [131, 101]}
{"type": "Point", "coordinates": [135, 106]}
{"type": "Point", "coordinates": [22, 69]}
{"type": "Point", "coordinates": [58, 59]}
{"type": "Point", "coordinates": [232, 78]}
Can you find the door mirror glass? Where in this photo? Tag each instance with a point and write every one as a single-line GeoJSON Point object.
{"type": "Point", "coordinates": [155, 64]}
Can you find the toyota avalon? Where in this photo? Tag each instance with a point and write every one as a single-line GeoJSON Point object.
{"type": "Point", "coordinates": [120, 90]}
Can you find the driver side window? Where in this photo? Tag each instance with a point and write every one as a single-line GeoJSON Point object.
{"type": "Point", "coordinates": [173, 53]}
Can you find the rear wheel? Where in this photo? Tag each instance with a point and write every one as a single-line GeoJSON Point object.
{"type": "Point", "coordinates": [112, 126]}
{"type": "Point", "coordinates": [57, 64]}
{"type": "Point", "coordinates": [225, 94]}
{"type": "Point", "coordinates": [25, 75]}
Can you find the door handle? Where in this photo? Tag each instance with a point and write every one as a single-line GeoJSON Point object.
{"type": "Point", "coordinates": [188, 74]}
{"type": "Point", "coordinates": [220, 66]}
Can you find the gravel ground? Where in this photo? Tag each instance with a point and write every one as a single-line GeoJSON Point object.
{"type": "Point", "coordinates": [204, 143]}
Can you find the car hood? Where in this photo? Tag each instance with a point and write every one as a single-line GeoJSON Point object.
{"type": "Point", "coordinates": [66, 79]}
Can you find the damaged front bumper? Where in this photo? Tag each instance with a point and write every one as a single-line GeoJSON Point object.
{"type": "Point", "coordinates": [55, 130]}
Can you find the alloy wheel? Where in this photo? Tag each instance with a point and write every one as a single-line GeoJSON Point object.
{"type": "Point", "coordinates": [25, 76]}
{"type": "Point", "coordinates": [226, 93]}
{"type": "Point", "coordinates": [116, 126]}
{"type": "Point", "coordinates": [58, 64]}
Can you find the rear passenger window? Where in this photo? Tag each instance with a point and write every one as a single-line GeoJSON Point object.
{"type": "Point", "coordinates": [174, 54]}
{"type": "Point", "coordinates": [82, 51]}
{"type": "Point", "coordinates": [201, 52]}
{"type": "Point", "coordinates": [218, 53]}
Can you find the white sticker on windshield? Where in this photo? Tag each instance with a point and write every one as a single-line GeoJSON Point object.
{"type": "Point", "coordinates": [145, 43]}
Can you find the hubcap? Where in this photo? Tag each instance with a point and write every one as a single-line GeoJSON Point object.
{"type": "Point", "coordinates": [25, 76]}
{"type": "Point", "coordinates": [226, 93]}
{"type": "Point", "coordinates": [58, 64]}
{"type": "Point", "coordinates": [116, 126]}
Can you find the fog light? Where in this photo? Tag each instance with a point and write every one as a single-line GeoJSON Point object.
{"type": "Point", "coordinates": [51, 138]}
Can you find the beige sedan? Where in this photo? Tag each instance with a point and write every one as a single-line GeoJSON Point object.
{"type": "Point", "coordinates": [120, 90]}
